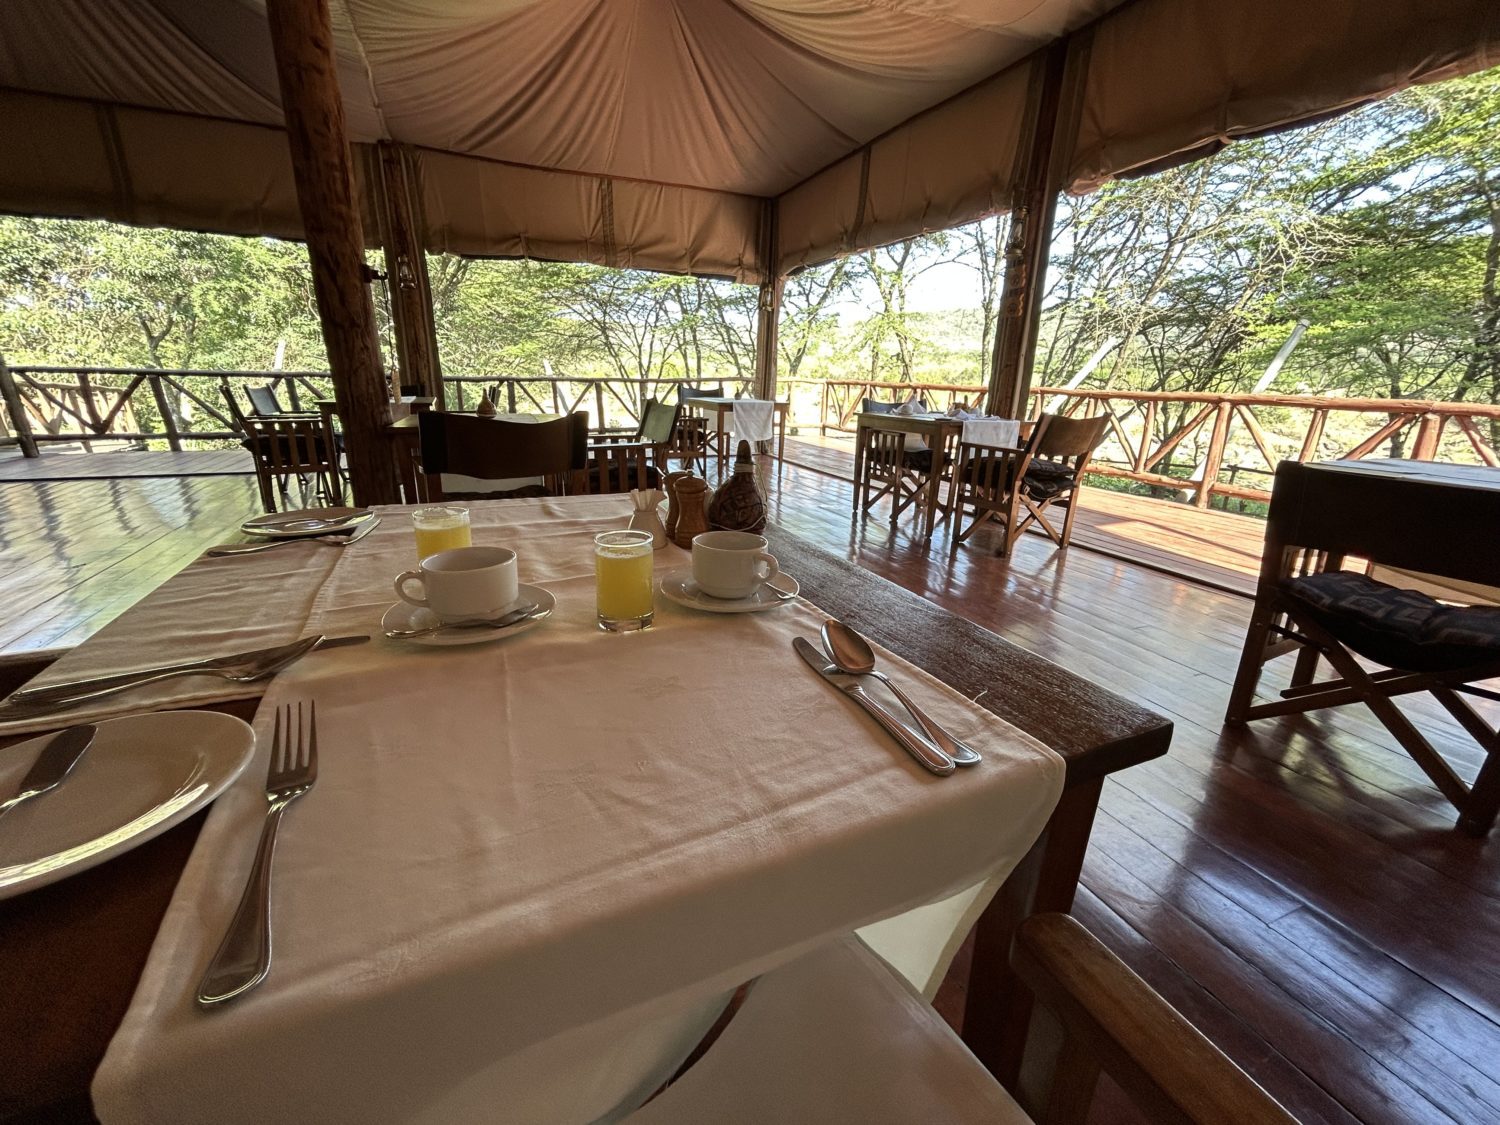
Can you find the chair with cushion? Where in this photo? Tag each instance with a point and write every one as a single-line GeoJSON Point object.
{"type": "Point", "coordinates": [523, 458]}
{"type": "Point", "coordinates": [839, 1038]}
{"type": "Point", "coordinates": [1059, 460]}
{"type": "Point", "coordinates": [1307, 604]}
{"type": "Point", "coordinates": [988, 482]}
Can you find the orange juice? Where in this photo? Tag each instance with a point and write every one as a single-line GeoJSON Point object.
{"type": "Point", "coordinates": [440, 529]}
{"type": "Point", "coordinates": [622, 569]}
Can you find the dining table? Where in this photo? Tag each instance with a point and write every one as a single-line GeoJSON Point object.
{"type": "Point", "coordinates": [941, 434]}
{"type": "Point", "coordinates": [535, 869]}
{"type": "Point", "coordinates": [721, 408]}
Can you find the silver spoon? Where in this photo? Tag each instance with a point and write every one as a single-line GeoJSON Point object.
{"type": "Point", "coordinates": [511, 618]}
{"type": "Point", "coordinates": [851, 653]}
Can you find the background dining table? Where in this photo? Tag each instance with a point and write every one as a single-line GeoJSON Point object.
{"type": "Point", "coordinates": [75, 951]}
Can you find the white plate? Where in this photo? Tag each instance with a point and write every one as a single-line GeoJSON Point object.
{"type": "Point", "coordinates": [678, 585]}
{"type": "Point", "coordinates": [404, 615]}
{"type": "Point", "coordinates": [306, 521]}
{"type": "Point", "coordinates": [141, 775]}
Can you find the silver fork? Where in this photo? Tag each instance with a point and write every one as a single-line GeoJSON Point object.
{"type": "Point", "coordinates": [244, 956]}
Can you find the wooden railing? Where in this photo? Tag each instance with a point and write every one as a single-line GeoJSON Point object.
{"type": "Point", "coordinates": [1189, 442]}
{"type": "Point", "coordinates": [52, 404]}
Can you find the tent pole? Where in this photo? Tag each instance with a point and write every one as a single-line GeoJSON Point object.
{"type": "Point", "coordinates": [307, 72]}
{"type": "Point", "coordinates": [406, 271]}
{"type": "Point", "coordinates": [1027, 249]}
{"type": "Point", "coordinates": [768, 307]}
{"type": "Point", "coordinates": [767, 335]}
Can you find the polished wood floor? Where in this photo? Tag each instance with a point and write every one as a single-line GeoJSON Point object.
{"type": "Point", "coordinates": [1214, 548]}
{"type": "Point", "coordinates": [75, 554]}
{"type": "Point", "coordinates": [74, 463]}
{"type": "Point", "coordinates": [1296, 888]}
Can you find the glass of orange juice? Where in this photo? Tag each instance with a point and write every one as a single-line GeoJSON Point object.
{"type": "Point", "coordinates": [622, 569]}
{"type": "Point", "coordinates": [440, 529]}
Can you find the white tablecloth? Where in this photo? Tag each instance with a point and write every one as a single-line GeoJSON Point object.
{"type": "Point", "coordinates": [531, 870]}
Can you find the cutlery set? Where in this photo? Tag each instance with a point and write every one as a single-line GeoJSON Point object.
{"type": "Point", "coordinates": [845, 660]}
{"type": "Point", "coordinates": [334, 537]}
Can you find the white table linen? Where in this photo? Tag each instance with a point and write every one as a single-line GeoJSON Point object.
{"type": "Point", "coordinates": [1001, 433]}
{"type": "Point", "coordinates": [530, 870]}
{"type": "Point", "coordinates": [753, 419]}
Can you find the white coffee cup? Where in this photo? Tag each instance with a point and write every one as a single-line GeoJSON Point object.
{"type": "Point", "coordinates": [731, 564]}
{"type": "Point", "coordinates": [466, 582]}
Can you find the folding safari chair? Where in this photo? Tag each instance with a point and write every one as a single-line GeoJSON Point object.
{"type": "Point", "coordinates": [1308, 605]}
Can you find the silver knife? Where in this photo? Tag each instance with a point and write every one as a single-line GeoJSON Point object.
{"type": "Point", "coordinates": [53, 764]}
{"type": "Point", "coordinates": [915, 744]}
{"type": "Point", "coordinates": [55, 694]}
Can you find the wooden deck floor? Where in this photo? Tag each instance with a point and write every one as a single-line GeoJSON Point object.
{"type": "Point", "coordinates": [1296, 888]}
{"type": "Point", "coordinates": [1211, 547]}
{"type": "Point", "coordinates": [55, 464]}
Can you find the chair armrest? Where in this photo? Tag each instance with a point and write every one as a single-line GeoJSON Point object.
{"type": "Point", "coordinates": [1166, 1066]}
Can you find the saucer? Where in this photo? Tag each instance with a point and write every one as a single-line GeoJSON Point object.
{"type": "Point", "coordinates": [678, 586]}
{"type": "Point", "coordinates": [404, 615]}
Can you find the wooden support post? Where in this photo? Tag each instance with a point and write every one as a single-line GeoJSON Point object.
{"type": "Point", "coordinates": [307, 71]}
{"type": "Point", "coordinates": [16, 408]}
{"type": "Point", "coordinates": [1222, 414]}
{"type": "Point", "coordinates": [767, 337]}
{"type": "Point", "coordinates": [402, 235]}
{"type": "Point", "coordinates": [1027, 248]}
{"type": "Point", "coordinates": [1429, 435]}
{"type": "Point", "coordinates": [168, 415]}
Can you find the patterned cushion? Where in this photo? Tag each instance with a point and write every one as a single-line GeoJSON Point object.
{"type": "Point", "coordinates": [1399, 628]}
{"type": "Point", "coordinates": [1045, 479]}
{"type": "Point", "coordinates": [920, 460]}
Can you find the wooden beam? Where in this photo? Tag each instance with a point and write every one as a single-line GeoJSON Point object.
{"type": "Point", "coordinates": [16, 408]}
{"type": "Point", "coordinates": [307, 71]}
{"type": "Point", "coordinates": [401, 235]}
{"type": "Point", "coordinates": [1027, 249]}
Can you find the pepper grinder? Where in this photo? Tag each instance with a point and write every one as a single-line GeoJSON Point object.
{"type": "Point", "coordinates": [692, 514]}
{"type": "Point", "coordinates": [669, 486]}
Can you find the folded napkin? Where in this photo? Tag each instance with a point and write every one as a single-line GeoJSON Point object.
{"type": "Point", "coordinates": [753, 419]}
{"type": "Point", "coordinates": [1001, 433]}
{"type": "Point", "coordinates": [531, 869]}
{"type": "Point", "coordinates": [960, 411]}
{"type": "Point", "coordinates": [915, 442]}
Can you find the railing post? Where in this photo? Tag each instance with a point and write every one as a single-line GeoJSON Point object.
{"type": "Point", "coordinates": [1148, 429]}
{"type": "Point", "coordinates": [599, 402]}
{"type": "Point", "coordinates": [823, 411]}
{"type": "Point", "coordinates": [168, 415]}
{"type": "Point", "coordinates": [510, 395]}
{"type": "Point", "coordinates": [1211, 464]}
{"type": "Point", "coordinates": [1429, 434]}
{"type": "Point", "coordinates": [17, 411]}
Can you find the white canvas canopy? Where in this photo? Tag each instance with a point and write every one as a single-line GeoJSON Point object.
{"type": "Point", "coordinates": [678, 134]}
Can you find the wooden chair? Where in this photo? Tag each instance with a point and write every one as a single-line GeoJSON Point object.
{"type": "Point", "coordinates": [989, 481]}
{"type": "Point", "coordinates": [620, 462]}
{"type": "Point", "coordinates": [1306, 604]}
{"type": "Point", "coordinates": [889, 469]}
{"type": "Point", "coordinates": [492, 449]}
{"type": "Point", "coordinates": [1055, 472]}
{"type": "Point", "coordinates": [294, 447]}
{"type": "Point", "coordinates": [838, 1038]}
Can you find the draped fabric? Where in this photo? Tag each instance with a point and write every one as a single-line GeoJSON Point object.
{"type": "Point", "coordinates": [651, 133]}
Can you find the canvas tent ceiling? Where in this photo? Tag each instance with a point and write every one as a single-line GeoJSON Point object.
{"type": "Point", "coordinates": [652, 133]}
